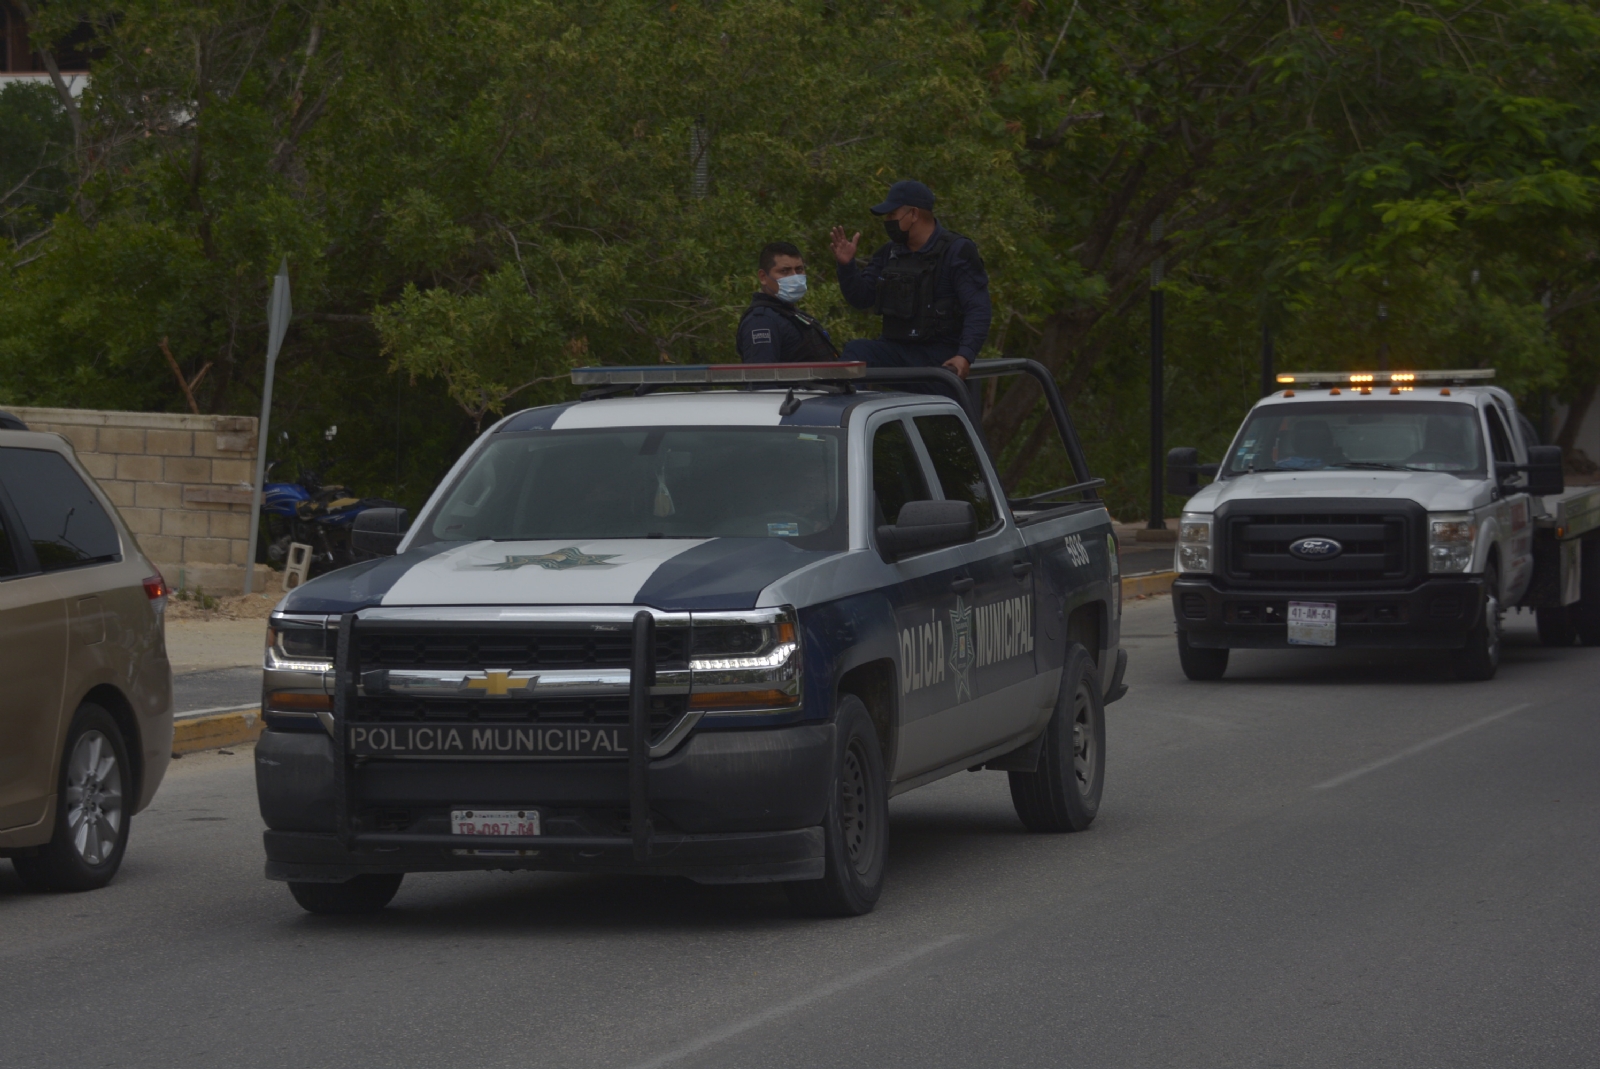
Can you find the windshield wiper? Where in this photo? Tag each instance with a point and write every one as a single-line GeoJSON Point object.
{"type": "Point", "coordinates": [1377, 465]}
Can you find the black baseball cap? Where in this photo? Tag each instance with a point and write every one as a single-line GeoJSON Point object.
{"type": "Point", "coordinates": [906, 194]}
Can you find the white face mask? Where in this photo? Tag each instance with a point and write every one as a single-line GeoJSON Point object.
{"type": "Point", "coordinates": [792, 288]}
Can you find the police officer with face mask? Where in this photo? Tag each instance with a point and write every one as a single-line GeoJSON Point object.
{"type": "Point", "coordinates": [772, 330]}
{"type": "Point", "coordinates": [928, 284]}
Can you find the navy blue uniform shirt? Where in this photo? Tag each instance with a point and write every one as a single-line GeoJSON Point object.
{"type": "Point", "coordinates": [961, 275]}
{"type": "Point", "coordinates": [767, 336]}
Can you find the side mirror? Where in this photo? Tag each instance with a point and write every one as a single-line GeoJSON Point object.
{"type": "Point", "coordinates": [1184, 470]}
{"type": "Point", "coordinates": [925, 525]}
{"type": "Point", "coordinates": [378, 531]}
{"type": "Point", "coordinates": [1544, 470]}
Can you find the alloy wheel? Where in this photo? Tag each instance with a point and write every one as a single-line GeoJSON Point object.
{"type": "Point", "coordinates": [94, 798]}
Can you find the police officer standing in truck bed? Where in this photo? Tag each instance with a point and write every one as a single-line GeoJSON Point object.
{"type": "Point", "coordinates": [772, 330]}
{"type": "Point", "coordinates": [928, 284]}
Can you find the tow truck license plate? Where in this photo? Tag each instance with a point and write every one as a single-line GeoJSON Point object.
{"type": "Point", "coordinates": [494, 822]}
{"type": "Point", "coordinates": [1313, 623]}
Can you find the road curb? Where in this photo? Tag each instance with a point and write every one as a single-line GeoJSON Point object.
{"type": "Point", "coordinates": [1139, 586]}
{"type": "Point", "coordinates": [210, 732]}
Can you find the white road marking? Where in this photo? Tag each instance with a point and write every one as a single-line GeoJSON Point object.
{"type": "Point", "coordinates": [1426, 744]}
{"type": "Point", "coordinates": [783, 1009]}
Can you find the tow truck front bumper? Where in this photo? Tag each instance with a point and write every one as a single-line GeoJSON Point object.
{"type": "Point", "coordinates": [1438, 613]}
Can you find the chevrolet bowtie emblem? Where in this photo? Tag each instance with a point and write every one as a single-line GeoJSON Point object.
{"type": "Point", "coordinates": [497, 684]}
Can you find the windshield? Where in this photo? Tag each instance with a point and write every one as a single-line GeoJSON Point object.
{"type": "Point", "coordinates": [650, 482]}
{"type": "Point", "coordinates": [1402, 435]}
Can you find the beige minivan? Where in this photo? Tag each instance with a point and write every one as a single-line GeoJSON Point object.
{"type": "Point", "coordinates": [85, 687]}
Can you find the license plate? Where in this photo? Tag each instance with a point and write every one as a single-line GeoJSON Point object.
{"type": "Point", "coordinates": [1313, 623]}
{"type": "Point", "coordinates": [494, 822]}
{"type": "Point", "coordinates": [478, 741]}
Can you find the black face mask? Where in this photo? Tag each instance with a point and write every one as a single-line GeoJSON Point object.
{"type": "Point", "coordinates": [896, 233]}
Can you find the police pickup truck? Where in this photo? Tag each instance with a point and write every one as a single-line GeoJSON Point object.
{"type": "Point", "coordinates": [1383, 509]}
{"type": "Point", "coordinates": [704, 632]}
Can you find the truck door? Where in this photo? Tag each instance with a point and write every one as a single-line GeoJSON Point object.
{"type": "Point", "coordinates": [992, 641]}
{"type": "Point", "coordinates": [1512, 513]}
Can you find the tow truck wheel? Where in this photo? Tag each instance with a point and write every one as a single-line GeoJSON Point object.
{"type": "Point", "coordinates": [363, 894]}
{"type": "Point", "coordinates": [1200, 663]}
{"type": "Point", "coordinates": [1063, 792]}
{"type": "Point", "coordinates": [1586, 611]}
{"type": "Point", "coordinates": [1479, 659]}
{"type": "Point", "coordinates": [856, 826]}
{"type": "Point", "coordinates": [1555, 626]}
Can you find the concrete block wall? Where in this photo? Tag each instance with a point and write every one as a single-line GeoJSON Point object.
{"type": "Point", "coordinates": [182, 484]}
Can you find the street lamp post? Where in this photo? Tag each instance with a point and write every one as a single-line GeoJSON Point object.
{"type": "Point", "coordinates": [278, 313]}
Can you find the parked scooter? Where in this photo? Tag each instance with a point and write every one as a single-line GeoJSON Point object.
{"type": "Point", "coordinates": [313, 513]}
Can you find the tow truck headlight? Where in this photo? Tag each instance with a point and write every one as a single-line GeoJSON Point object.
{"type": "Point", "coordinates": [1194, 543]}
{"type": "Point", "coordinates": [1450, 543]}
{"type": "Point", "coordinates": [745, 663]}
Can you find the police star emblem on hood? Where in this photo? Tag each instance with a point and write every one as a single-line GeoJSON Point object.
{"type": "Point", "coordinates": [556, 560]}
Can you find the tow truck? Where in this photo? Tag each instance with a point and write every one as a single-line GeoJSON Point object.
{"type": "Point", "coordinates": [1395, 509]}
{"type": "Point", "coordinates": [704, 621]}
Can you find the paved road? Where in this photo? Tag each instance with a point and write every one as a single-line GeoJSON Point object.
{"type": "Point", "coordinates": [1325, 860]}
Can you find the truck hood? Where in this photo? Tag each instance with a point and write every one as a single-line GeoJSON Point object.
{"type": "Point", "coordinates": [1435, 491]}
{"type": "Point", "coordinates": [668, 574]}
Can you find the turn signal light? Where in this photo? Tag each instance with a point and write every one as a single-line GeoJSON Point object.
{"type": "Point", "coordinates": [742, 699]}
{"type": "Point", "coordinates": [156, 587]}
{"type": "Point", "coordinates": [298, 702]}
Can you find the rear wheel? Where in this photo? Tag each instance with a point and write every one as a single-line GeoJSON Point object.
{"type": "Point", "coordinates": [92, 809]}
{"type": "Point", "coordinates": [1062, 793]}
{"type": "Point", "coordinates": [1199, 662]}
{"type": "Point", "coordinates": [367, 893]}
{"type": "Point", "coordinates": [1586, 613]}
{"type": "Point", "coordinates": [1555, 625]}
{"type": "Point", "coordinates": [856, 826]}
{"type": "Point", "coordinates": [1479, 659]}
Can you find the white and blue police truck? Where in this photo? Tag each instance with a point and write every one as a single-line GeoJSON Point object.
{"type": "Point", "coordinates": [1393, 510]}
{"type": "Point", "coordinates": [706, 622]}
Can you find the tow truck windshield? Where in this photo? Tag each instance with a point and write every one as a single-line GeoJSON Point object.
{"type": "Point", "coordinates": [1375, 435]}
{"type": "Point", "coordinates": [644, 482]}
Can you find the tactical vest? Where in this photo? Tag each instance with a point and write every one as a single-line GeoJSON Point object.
{"type": "Point", "coordinates": [815, 348]}
{"type": "Point", "coordinates": [907, 300]}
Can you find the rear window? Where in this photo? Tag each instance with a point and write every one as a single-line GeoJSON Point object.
{"type": "Point", "coordinates": [65, 524]}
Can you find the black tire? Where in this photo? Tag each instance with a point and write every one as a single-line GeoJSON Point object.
{"type": "Point", "coordinates": [1586, 611]}
{"type": "Point", "coordinates": [1063, 792]}
{"type": "Point", "coordinates": [363, 894]}
{"type": "Point", "coordinates": [856, 826]}
{"type": "Point", "coordinates": [1479, 659]}
{"type": "Point", "coordinates": [1200, 663]}
{"type": "Point", "coordinates": [1556, 626]}
{"type": "Point", "coordinates": [94, 803]}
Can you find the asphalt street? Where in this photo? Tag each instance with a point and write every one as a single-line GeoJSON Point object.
{"type": "Point", "coordinates": [1325, 859]}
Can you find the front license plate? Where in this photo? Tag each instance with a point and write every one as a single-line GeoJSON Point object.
{"type": "Point", "coordinates": [472, 740]}
{"type": "Point", "coordinates": [494, 822]}
{"type": "Point", "coordinates": [1313, 623]}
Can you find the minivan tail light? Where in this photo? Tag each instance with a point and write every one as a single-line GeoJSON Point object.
{"type": "Point", "coordinates": [156, 587]}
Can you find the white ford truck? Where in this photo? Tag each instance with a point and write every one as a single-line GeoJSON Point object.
{"type": "Point", "coordinates": [1382, 509]}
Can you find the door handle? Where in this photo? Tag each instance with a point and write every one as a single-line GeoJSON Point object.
{"type": "Point", "coordinates": [1022, 569]}
{"type": "Point", "coordinates": [961, 586]}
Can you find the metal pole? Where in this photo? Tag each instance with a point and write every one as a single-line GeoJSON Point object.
{"type": "Point", "coordinates": [278, 313]}
{"type": "Point", "coordinates": [1157, 379]}
{"type": "Point", "coordinates": [1268, 382]}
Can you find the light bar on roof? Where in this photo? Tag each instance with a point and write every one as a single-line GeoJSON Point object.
{"type": "Point", "coordinates": [714, 374]}
{"type": "Point", "coordinates": [1384, 378]}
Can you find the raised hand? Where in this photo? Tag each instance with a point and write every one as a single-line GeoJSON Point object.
{"type": "Point", "coordinates": [844, 249]}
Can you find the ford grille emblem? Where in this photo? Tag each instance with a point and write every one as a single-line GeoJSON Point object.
{"type": "Point", "coordinates": [1315, 549]}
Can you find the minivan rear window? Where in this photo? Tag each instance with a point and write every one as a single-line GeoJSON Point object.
{"type": "Point", "coordinates": [65, 524]}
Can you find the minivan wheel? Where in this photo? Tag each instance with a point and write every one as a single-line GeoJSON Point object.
{"type": "Point", "coordinates": [856, 825]}
{"type": "Point", "coordinates": [1063, 791]}
{"type": "Point", "coordinates": [367, 893]}
{"type": "Point", "coordinates": [92, 809]}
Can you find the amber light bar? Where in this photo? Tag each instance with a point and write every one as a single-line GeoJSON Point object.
{"type": "Point", "coordinates": [1384, 378]}
{"type": "Point", "coordinates": [715, 374]}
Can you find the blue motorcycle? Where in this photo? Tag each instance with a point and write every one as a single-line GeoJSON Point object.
{"type": "Point", "coordinates": [316, 514]}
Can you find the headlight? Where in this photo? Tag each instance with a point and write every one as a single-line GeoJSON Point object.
{"type": "Point", "coordinates": [1451, 541]}
{"type": "Point", "coordinates": [300, 645]}
{"type": "Point", "coordinates": [745, 663]}
{"type": "Point", "coordinates": [298, 663]}
{"type": "Point", "coordinates": [1194, 543]}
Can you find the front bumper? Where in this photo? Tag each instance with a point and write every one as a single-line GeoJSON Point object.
{"type": "Point", "coordinates": [727, 806]}
{"type": "Point", "coordinates": [1438, 613]}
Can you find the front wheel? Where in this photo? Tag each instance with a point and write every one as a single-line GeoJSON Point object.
{"type": "Point", "coordinates": [1200, 663]}
{"type": "Point", "coordinates": [92, 809]}
{"type": "Point", "coordinates": [1062, 793]}
{"type": "Point", "coordinates": [856, 826]}
{"type": "Point", "coordinates": [364, 894]}
{"type": "Point", "coordinates": [1479, 659]}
